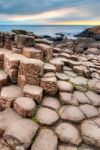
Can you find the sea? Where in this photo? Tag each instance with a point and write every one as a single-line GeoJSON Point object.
{"type": "Point", "coordinates": [67, 30]}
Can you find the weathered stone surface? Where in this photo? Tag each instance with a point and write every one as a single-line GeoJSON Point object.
{"type": "Point", "coordinates": [71, 113]}
{"type": "Point", "coordinates": [33, 91]}
{"type": "Point", "coordinates": [16, 50]}
{"type": "Point", "coordinates": [94, 85]}
{"type": "Point", "coordinates": [51, 102]}
{"type": "Point", "coordinates": [80, 83]}
{"type": "Point", "coordinates": [88, 110]}
{"type": "Point", "coordinates": [64, 86]}
{"type": "Point", "coordinates": [11, 64]}
{"type": "Point", "coordinates": [31, 69]}
{"type": "Point", "coordinates": [25, 106]}
{"type": "Point", "coordinates": [8, 95]}
{"type": "Point", "coordinates": [94, 51]}
{"type": "Point", "coordinates": [4, 78]}
{"type": "Point", "coordinates": [47, 116]}
{"type": "Point", "coordinates": [24, 41]}
{"type": "Point", "coordinates": [49, 85]}
{"type": "Point", "coordinates": [57, 63]}
{"type": "Point", "coordinates": [67, 98]}
{"type": "Point", "coordinates": [47, 50]}
{"type": "Point", "coordinates": [49, 67]}
{"type": "Point", "coordinates": [81, 97]}
{"type": "Point", "coordinates": [94, 98]}
{"type": "Point", "coordinates": [62, 76]}
{"type": "Point", "coordinates": [90, 130]}
{"type": "Point", "coordinates": [70, 73]}
{"type": "Point", "coordinates": [66, 147]}
{"type": "Point", "coordinates": [32, 53]}
{"type": "Point", "coordinates": [68, 133]}
{"type": "Point", "coordinates": [81, 70]}
{"type": "Point", "coordinates": [7, 118]}
{"type": "Point", "coordinates": [21, 132]}
{"type": "Point", "coordinates": [46, 139]}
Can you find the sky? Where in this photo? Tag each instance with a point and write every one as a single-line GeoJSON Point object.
{"type": "Point", "coordinates": [50, 12]}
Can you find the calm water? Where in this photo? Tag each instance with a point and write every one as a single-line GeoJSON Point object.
{"type": "Point", "coordinates": [69, 31]}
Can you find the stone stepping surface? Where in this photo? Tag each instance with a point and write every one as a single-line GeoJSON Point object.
{"type": "Point", "coordinates": [49, 96]}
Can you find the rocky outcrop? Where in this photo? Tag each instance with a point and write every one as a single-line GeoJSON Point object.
{"type": "Point", "coordinates": [93, 32]}
{"type": "Point", "coordinates": [49, 95]}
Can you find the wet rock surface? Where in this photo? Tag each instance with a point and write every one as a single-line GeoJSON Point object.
{"type": "Point", "coordinates": [49, 93]}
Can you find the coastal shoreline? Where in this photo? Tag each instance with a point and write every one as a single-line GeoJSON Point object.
{"type": "Point", "coordinates": [49, 91]}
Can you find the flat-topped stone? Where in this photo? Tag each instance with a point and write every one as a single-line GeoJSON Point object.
{"type": "Point", "coordinates": [94, 85]}
{"type": "Point", "coordinates": [71, 113]}
{"type": "Point", "coordinates": [57, 63]}
{"type": "Point", "coordinates": [80, 83]}
{"type": "Point", "coordinates": [49, 74]}
{"type": "Point", "coordinates": [90, 130]}
{"type": "Point", "coordinates": [64, 86]}
{"type": "Point", "coordinates": [23, 131]}
{"type": "Point", "coordinates": [89, 110]}
{"type": "Point", "coordinates": [47, 50]}
{"type": "Point", "coordinates": [9, 94]}
{"type": "Point", "coordinates": [49, 67]}
{"type": "Point", "coordinates": [62, 76]}
{"type": "Point", "coordinates": [67, 98]}
{"type": "Point", "coordinates": [82, 70]}
{"type": "Point", "coordinates": [81, 97]}
{"type": "Point", "coordinates": [33, 91]}
{"type": "Point", "coordinates": [49, 85]}
{"type": "Point", "coordinates": [46, 139]}
{"type": "Point", "coordinates": [66, 147]}
{"type": "Point", "coordinates": [4, 78]}
{"type": "Point", "coordinates": [51, 102]}
{"type": "Point", "coordinates": [25, 106]}
{"type": "Point", "coordinates": [68, 133]}
{"type": "Point", "coordinates": [46, 116]}
{"type": "Point", "coordinates": [94, 98]}
{"type": "Point", "coordinates": [32, 52]}
{"type": "Point", "coordinates": [7, 117]}
{"type": "Point", "coordinates": [70, 73]}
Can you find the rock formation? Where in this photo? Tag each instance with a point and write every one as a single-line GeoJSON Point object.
{"type": "Point", "coordinates": [49, 93]}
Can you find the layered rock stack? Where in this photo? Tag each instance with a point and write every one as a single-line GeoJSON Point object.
{"type": "Point", "coordinates": [49, 97]}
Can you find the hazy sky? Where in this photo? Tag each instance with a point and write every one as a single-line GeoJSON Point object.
{"type": "Point", "coordinates": [50, 12]}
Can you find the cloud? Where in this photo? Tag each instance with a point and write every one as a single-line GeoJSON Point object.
{"type": "Point", "coordinates": [48, 11]}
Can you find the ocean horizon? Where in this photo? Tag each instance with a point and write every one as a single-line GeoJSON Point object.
{"type": "Point", "coordinates": [68, 30]}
